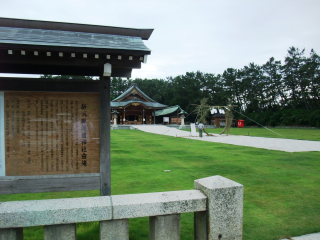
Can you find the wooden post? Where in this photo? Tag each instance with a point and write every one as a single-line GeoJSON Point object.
{"type": "Point", "coordinates": [142, 115]}
{"type": "Point", "coordinates": [154, 116]}
{"type": "Point", "coordinates": [105, 166]}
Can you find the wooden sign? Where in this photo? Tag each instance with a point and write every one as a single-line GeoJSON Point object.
{"type": "Point", "coordinates": [51, 133]}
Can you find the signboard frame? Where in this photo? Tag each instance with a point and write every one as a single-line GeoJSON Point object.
{"type": "Point", "coordinates": [65, 182]}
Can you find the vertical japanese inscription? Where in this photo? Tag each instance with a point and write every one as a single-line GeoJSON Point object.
{"type": "Point", "coordinates": [61, 136]}
{"type": "Point", "coordinates": [52, 136]}
{"type": "Point", "coordinates": [51, 133]}
{"type": "Point", "coordinates": [84, 134]}
{"type": "Point", "coordinates": [7, 129]}
{"type": "Point", "coordinates": [75, 130]}
{"type": "Point", "coordinates": [67, 135]}
{"type": "Point", "coordinates": [41, 134]}
{"type": "Point", "coordinates": [28, 132]}
{"type": "Point", "coordinates": [57, 135]}
{"type": "Point", "coordinates": [71, 147]}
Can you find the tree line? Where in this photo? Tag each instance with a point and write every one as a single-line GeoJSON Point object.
{"type": "Point", "coordinates": [271, 94]}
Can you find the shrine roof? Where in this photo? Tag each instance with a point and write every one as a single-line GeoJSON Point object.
{"type": "Point", "coordinates": [217, 115]}
{"type": "Point", "coordinates": [123, 100]}
{"type": "Point", "coordinates": [147, 104]}
{"type": "Point", "coordinates": [168, 110]}
{"type": "Point", "coordinates": [129, 90]}
{"type": "Point", "coordinates": [44, 37]}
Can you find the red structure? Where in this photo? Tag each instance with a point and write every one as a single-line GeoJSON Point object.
{"type": "Point", "coordinates": [240, 123]}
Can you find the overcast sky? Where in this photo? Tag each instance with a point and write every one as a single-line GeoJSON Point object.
{"type": "Point", "coordinates": [209, 36]}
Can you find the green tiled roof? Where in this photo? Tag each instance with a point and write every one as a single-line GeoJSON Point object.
{"type": "Point", "coordinates": [168, 110]}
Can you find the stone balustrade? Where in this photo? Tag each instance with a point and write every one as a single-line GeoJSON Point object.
{"type": "Point", "coordinates": [216, 201]}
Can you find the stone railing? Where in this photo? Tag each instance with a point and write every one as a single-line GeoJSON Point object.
{"type": "Point", "coordinates": [217, 203]}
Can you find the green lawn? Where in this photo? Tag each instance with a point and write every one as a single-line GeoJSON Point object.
{"type": "Point", "coordinates": [281, 190]}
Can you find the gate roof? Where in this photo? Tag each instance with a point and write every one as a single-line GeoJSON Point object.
{"type": "Point", "coordinates": [39, 47]}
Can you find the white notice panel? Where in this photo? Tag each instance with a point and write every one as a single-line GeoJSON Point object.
{"type": "Point", "coordinates": [193, 129]}
{"type": "Point", "coordinates": [2, 150]}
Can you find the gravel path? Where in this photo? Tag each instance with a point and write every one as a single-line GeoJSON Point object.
{"type": "Point", "coordinates": [281, 144]}
{"type": "Point", "coordinates": [313, 236]}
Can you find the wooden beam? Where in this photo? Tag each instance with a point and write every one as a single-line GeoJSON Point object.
{"type": "Point", "coordinates": [105, 165]}
{"type": "Point", "coordinates": [73, 49]}
{"type": "Point", "coordinates": [48, 85]}
{"type": "Point", "coordinates": [80, 70]}
{"type": "Point", "coordinates": [49, 183]}
{"type": "Point", "coordinates": [66, 59]}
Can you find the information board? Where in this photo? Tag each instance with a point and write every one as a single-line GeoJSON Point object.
{"type": "Point", "coordinates": [50, 133]}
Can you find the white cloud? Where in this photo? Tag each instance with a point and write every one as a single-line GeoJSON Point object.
{"type": "Point", "coordinates": [209, 36]}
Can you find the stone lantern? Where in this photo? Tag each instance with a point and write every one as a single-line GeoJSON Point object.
{"type": "Point", "coordinates": [115, 115]}
{"type": "Point", "coordinates": [182, 116]}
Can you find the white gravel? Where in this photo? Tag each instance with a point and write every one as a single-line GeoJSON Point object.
{"type": "Point", "coordinates": [313, 236]}
{"type": "Point", "coordinates": [281, 144]}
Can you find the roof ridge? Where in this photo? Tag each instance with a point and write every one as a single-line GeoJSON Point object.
{"type": "Point", "coordinates": [75, 27]}
{"type": "Point", "coordinates": [127, 92]}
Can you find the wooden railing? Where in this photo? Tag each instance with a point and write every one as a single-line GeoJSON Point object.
{"type": "Point", "coordinates": [217, 203]}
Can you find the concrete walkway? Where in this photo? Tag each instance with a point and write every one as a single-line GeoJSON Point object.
{"type": "Point", "coordinates": [281, 144]}
{"type": "Point", "coordinates": [313, 236]}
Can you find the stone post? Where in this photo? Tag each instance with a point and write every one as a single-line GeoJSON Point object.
{"type": "Point", "coordinates": [224, 208]}
{"type": "Point", "coordinates": [11, 233]}
{"type": "Point", "coordinates": [114, 229]}
{"type": "Point", "coordinates": [182, 116]}
{"type": "Point", "coordinates": [115, 116]}
{"type": "Point", "coordinates": [115, 120]}
{"type": "Point", "coordinates": [60, 232]}
{"type": "Point", "coordinates": [182, 120]}
{"type": "Point", "coordinates": [200, 226]}
{"type": "Point", "coordinates": [165, 227]}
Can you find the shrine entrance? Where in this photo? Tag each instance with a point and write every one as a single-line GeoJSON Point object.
{"type": "Point", "coordinates": [135, 107]}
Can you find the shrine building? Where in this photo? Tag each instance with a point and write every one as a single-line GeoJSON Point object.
{"type": "Point", "coordinates": [170, 115]}
{"type": "Point", "coordinates": [135, 107]}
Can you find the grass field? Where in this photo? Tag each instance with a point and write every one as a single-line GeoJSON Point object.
{"type": "Point", "coordinates": [281, 190]}
{"type": "Point", "coordinates": [303, 134]}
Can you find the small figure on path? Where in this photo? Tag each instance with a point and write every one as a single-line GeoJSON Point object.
{"type": "Point", "coordinates": [200, 128]}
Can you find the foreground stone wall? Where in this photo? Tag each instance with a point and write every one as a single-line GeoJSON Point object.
{"type": "Point", "coordinates": [216, 201]}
